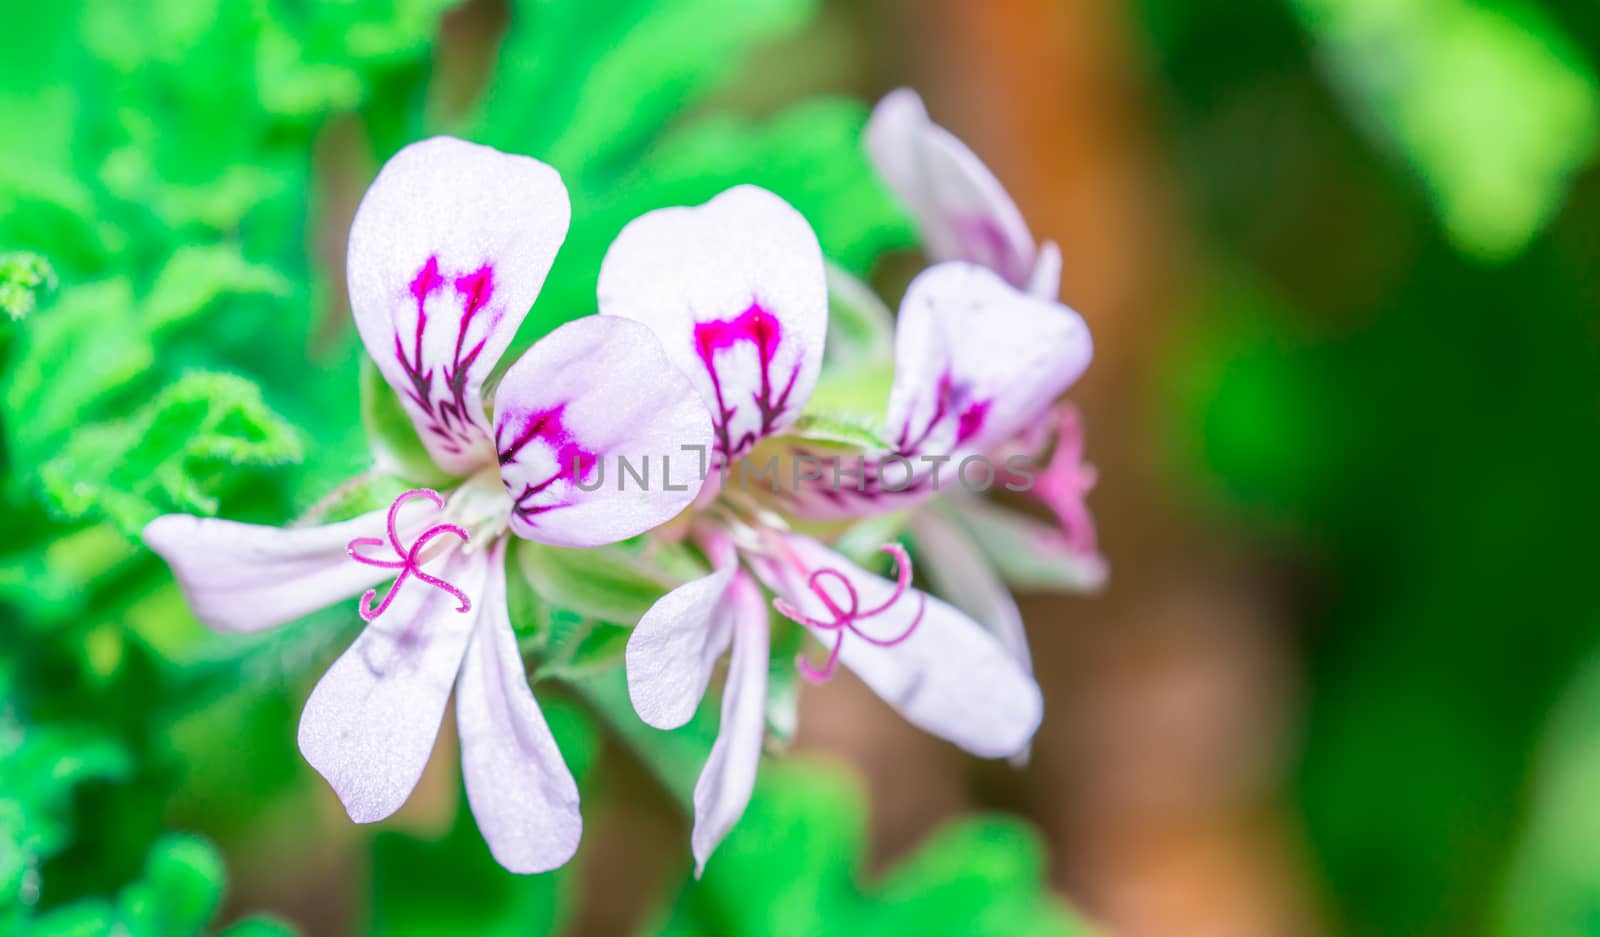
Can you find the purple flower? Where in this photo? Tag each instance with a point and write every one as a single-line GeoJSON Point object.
{"type": "Point", "coordinates": [449, 248]}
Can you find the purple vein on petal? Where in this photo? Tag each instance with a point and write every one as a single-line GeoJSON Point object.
{"type": "Point", "coordinates": [762, 330]}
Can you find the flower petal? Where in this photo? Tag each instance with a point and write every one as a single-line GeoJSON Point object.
{"type": "Point", "coordinates": [370, 723]}
{"type": "Point", "coordinates": [448, 251]}
{"type": "Point", "coordinates": [594, 394]}
{"type": "Point", "coordinates": [1045, 280]}
{"type": "Point", "coordinates": [675, 646]}
{"type": "Point", "coordinates": [247, 577]}
{"type": "Point", "coordinates": [521, 792]}
{"type": "Point", "coordinates": [1029, 554]}
{"type": "Point", "coordinates": [736, 290]}
{"type": "Point", "coordinates": [729, 775]}
{"type": "Point", "coordinates": [959, 571]}
{"type": "Point", "coordinates": [950, 677]}
{"type": "Point", "coordinates": [960, 208]}
{"type": "Point", "coordinates": [977, 361]}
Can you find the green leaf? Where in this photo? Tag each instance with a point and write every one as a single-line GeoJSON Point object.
{"type": "Point", "coordinates": [812, 155]}
{"type": "Point", "coordinates": [174, 454]}
{"type": "Point", "coordinates": [40, 769]}
{"type": "Point", "coordinates": [181, 889]}
{"type": "Point", "coordinates": [983, 876]}
{"type": "Point", "coordinates": [860, 326]}
{"type": "Point", "coordinates": [23, 278]}
{"type": "Point", "coordinates": [606, 84]}
{"type": "Point", "coordinates": [615, 584]}
{"type": "Point", "coordinates": [675, 757]}
{"type": "Point", "coordinates": [657, 66]}
{"type": "Point", "coordinates": [792, 866]}
{"type": "Point", "coordinates": [1553, 888]}
{"type": "Point", "coordinates": [258, 927]}
{"type": "Point", "coordinates": [1493, 106]}
{"type": "Point", "coordinates": [178, 894]}
{"type": "Point", "coordinates": [90, 918]}
{"type": "Point", "coordinates": [196, 276]}
{"type": "Point", "coordinates": [89, 347]}
{"type": "Point", "coordinates": [830, 431]}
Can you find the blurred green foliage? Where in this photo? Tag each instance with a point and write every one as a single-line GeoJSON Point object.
{"type": "Point", "coordinates": [791, 867]}
{"type": "Point", "coordinates": [1415, 431]}
{"type": "Point", "coordinates": [1496, 108]}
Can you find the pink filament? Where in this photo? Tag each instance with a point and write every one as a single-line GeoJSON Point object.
{"type": "Point", "coordinates": [409, 559]}
{"type": "Point", "coordinates": [845, 619]}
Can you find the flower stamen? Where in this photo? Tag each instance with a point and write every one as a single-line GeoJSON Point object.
{"type": "Point", "coordinates": [845, 618]}
{"type": "Point", "coordinates": [408, 559]}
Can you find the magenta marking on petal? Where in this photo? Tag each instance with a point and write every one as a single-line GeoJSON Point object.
{"type": "Point", "coordinates": [477, 288]}
{"type": "Point", "coordinates": [950, 397]}
{"type": "Point", "coordinates": [409, 559]}
{"type": "Point", "coordinates": [761, 329]}
{"type": "Point", "coordinates": [426, 282]}
{"type": "Point", "coordinates": [984, 243]}
{"type": "Point", "coordinates": [574, 462]}
{"type": "Point", "coordinates": [847, 614]}
{"type": "Point", "coordinates": [447, 416]}
{"type": "Point", "coordinates": [971, 420]}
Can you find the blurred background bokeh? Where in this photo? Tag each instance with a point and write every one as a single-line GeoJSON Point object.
{"type": "Point", "coordinates": [1341, 259]}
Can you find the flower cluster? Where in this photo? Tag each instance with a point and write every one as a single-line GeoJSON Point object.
{"type": "Point", "coordinates": [711, 335]}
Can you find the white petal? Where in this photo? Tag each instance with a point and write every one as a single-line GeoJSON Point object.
{"type": "Point", "coordinates": [594, 394]}
{"type": "Point", "coordinates": [370, 723]}
{"type": "Point", "coordinates": [736, 290]}
{"type": "Point", "coordinates": [960, 208]}
{"type": "Point", "coordinates": [950, 677]}
{"type": "Point", "coordinates": [246, 577]}
{"type": "Point", "coordinates": [729, 776]}
{"type": "Point", "coordinates": [1045, 280]}
{"type": "Point", "coordinates": [675, 646]}
{"type": "Point", "coordinates": [959, 571]}
{"type": "Point", "coordinates": [449, 248]}
{"type": "Point", "coordinates": [977, 361]}
{"type": "Point", "coordinates": [522, 795]}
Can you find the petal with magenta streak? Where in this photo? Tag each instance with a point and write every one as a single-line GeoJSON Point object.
{"type": "Point", "coordinates": [977, 361]}
{"type": "Point", "coordinates": [960, 209]}
{"type": "Point", "coordinates": [599, 437]}
{"type": "Point", "coordinates": [737, 292]}
{"type": "Point", "coordinates": [448, 250]}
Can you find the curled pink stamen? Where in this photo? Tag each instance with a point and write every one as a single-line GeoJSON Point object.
{"type": "Point", "coordinates": [408, 559]}
{"type": "Point", "coordinates": [845, 618]}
